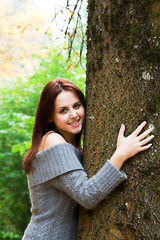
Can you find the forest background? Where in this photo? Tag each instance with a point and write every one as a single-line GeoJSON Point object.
{"type": "Point", "coordinates": [32, 52]}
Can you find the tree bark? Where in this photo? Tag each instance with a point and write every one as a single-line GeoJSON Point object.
{"type": "Point", "coordinates": [122, 86]}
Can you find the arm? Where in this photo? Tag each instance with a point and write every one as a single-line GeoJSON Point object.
{"type": "Point", "coordinates": [89, 192]}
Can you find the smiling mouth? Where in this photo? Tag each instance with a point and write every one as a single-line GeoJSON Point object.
{"type": "Point", "coordinates": [73, 123]}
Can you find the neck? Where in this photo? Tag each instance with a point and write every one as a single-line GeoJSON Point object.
{"type": "Point", "coordinates": [70, 138]}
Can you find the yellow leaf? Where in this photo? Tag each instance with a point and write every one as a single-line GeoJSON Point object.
{"type": "Point", "coordinates": [69, 66]}
{"type": "Point", "coordinates": [8, 58]}
{"type": "Point", "coordinates": [78, 34]}
{"type": "Point", "coordinates": [23, 29]}
{"type": "Point", "coordinates": [74, 66]}
{"type": "Point", "coordinates": [70, 11]}
{"type": "Point", "coordinates": [77, 53]}
{"type": "Point", "coordinates": [72, 35]}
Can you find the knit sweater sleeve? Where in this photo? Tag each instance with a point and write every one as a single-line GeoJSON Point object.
{"type": "Point", "coordinates": [89, 192]}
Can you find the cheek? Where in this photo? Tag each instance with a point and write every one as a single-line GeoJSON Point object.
{"type": "Point", "coordinates": [82, 113]}
{"type": "Point", "coordinates": [60, 119]}
{"type": "Point", "coordinates": [56, 119]}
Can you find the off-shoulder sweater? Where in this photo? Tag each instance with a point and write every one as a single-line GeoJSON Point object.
{"type": "Point", "coordinates": [57, 185]}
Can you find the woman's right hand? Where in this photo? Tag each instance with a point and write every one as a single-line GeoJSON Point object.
{"type": "Point", "coordinates": [127, 147]}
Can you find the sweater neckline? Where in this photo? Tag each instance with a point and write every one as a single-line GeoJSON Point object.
{"type": "Point", "coordinates": [54, 146]}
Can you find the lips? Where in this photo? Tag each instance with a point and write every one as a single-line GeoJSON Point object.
{"type": "Point", "coordinates": [74, 123]}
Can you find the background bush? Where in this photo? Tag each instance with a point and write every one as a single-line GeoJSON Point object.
{"type": "Point", "coordinates": [19, 100]}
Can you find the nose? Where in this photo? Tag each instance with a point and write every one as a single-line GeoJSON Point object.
{"type": "Point", "coordinates": [73, 113]}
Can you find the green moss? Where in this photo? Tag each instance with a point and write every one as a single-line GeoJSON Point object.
{"type": "Point", "coordinates": [104, 19]}
{"type": "Point", "coordinates": [96, 34]}
{"type": "Point", "coordinates": [152, 106]}
{"type": "Point", "coordinates": [133, 29]}
{"type": "Point", "coordinates": [129, 29]}
{"type": "Point", "coordinates": [101, 49]}
{"type": "Point", "coordinates": [96, 18]}
{"type": "Point", "coordinates": [152, 54]}
{"type": "Point", "coordinates": [142, 191]}
{"type": "Point", "coordinates": [91, 5]}
{"type": "Point", "coordinates": [123, 208]}
{"type": "Point", "coordinates": [107, 45]}
{"type": "Point", "coordinates": [99, 62]}
{"type": "Point", "coordinates": [91, 66]}
{"type": "Point", "coordinates": [153, 102]}
{"type": "Point", "coordinates": [147, 215]}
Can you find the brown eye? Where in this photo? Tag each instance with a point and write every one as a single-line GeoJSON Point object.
{"type": "Point", "coordinates": [77, 105]}
{"type": "Point", "coordinates": [63, 110]}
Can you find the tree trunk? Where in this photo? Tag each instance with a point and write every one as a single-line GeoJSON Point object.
{"type": "Point", "coordinates": [122, 85]}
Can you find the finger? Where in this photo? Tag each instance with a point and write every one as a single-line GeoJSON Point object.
{"type": "Point", "coordinates": [143, 135]}
{"type": "Point", "coordinates": [145, 147]}
{"type": "Point", "coordinates": [145, 141]}
{"type": "Point", "coordinates": [139, 128]}
{"type": "Point", "coordinates": [121, 131]}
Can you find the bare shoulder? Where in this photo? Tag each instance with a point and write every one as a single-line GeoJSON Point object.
{"type": "Point", "coordinates": [51, 140]}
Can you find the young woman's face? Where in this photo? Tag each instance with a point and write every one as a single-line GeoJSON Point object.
{"type": "Point", "coordinates": [68, 114]}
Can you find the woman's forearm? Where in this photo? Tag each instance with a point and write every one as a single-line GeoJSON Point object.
{"type": "Point", "coordinates": [117, 160]}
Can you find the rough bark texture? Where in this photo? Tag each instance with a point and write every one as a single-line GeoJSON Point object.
{"type": "Point", "coordinates": [123, 80]}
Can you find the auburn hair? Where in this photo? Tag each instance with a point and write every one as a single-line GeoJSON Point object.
{"type": "Point", "coordinates": [44, 113]}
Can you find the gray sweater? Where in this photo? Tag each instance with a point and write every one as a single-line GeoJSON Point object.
{"type": "Point", "coordinates": [57, 185]}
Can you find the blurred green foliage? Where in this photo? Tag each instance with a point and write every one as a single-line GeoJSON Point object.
{"type": "Point", "coordinates": [19, 100]}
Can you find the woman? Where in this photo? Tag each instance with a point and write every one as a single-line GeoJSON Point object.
{"type": "Point", "coordinates": [56, 179]}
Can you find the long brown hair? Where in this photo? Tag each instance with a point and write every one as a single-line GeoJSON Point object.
{"type": "Point", "coordinates": [44, 113]}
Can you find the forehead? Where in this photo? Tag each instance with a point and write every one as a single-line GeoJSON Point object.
{"type": "Point", "coordinates": [66, 98]}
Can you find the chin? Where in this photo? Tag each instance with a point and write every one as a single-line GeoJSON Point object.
{"type": "Point", "coordinates": [77, 131]}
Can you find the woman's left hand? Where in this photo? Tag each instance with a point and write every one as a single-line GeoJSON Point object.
{"type": "Point", "coordinates": [127, 147]}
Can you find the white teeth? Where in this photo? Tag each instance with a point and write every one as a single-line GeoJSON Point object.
{"type": "Point", "coordinates": [74, 123]}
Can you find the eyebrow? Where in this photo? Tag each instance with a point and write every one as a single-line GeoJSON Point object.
{"type": "Point", "coordinates": [66, 106]}
{"type": "Point", "coordinates": [61, 107]}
